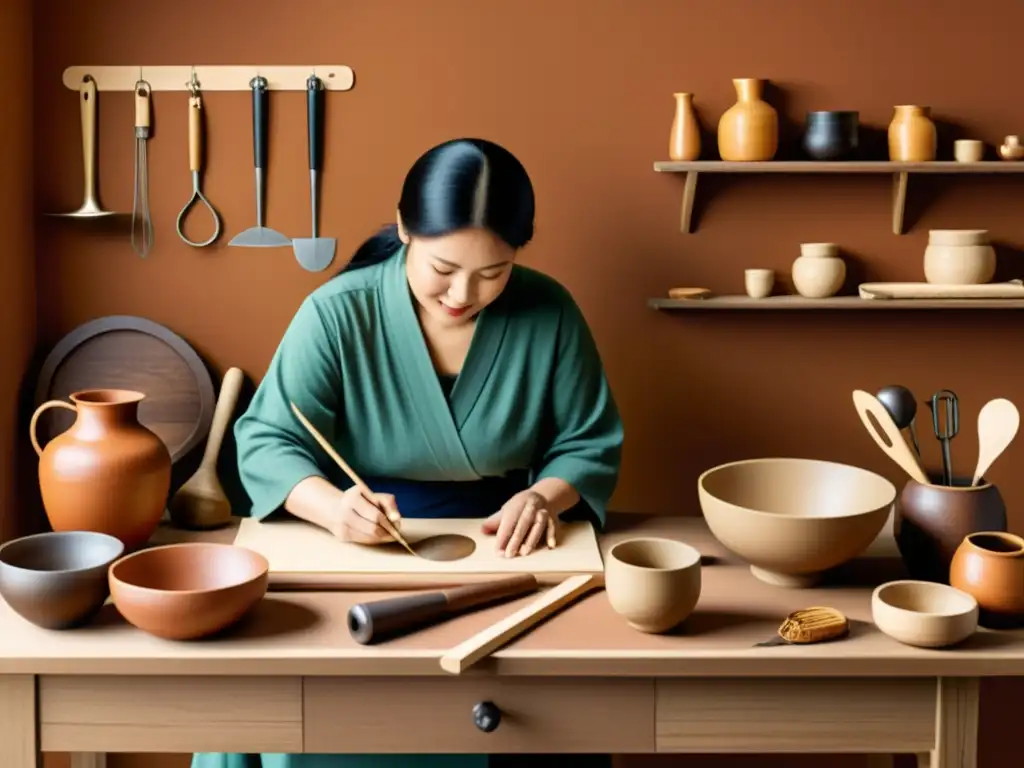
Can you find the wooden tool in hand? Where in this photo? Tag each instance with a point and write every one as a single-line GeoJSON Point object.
{"type": "Point", "coordinates": [201, 502]}
{"type": "Point", "coordinates": [466, 654]}
{"type": "Point", "coordinates": [329, 450]}
{"type": "Point", "coordinates": [383, 619]}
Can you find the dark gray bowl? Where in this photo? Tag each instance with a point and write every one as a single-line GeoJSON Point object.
{"type": "Point", "coordinates": [58, 580]}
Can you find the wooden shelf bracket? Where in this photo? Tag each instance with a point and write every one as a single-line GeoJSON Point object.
{"type": "Point", "coordinates": [689, 193]}
{"type": "Point", "coordinates": [899, 200]}
{"type": "Point", "coordinates": [233, 77]}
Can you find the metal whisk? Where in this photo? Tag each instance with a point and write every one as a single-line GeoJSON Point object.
{"type": "Point", "coordinates": [142, 242]}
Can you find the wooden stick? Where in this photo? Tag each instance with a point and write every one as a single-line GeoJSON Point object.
{"type": "Point", "coordinates": [470, 651]}
{"type": "Point", "coordinates": [235, 77]}
{"type": "Point", "coordinates": [329, 450]}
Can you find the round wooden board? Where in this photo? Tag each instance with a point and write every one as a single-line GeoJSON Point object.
{"type": "Point", "coordinates": [127, 352]}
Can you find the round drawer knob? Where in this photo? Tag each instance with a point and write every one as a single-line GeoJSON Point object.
{"type": "Point", "coordinates": [486, 716]}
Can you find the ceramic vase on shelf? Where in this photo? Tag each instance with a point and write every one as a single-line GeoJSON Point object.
{"type": "Point", "coordinates": [684, 140]}
{"type": "Point", "coordinates": [959, 257]}
{"type": "Point", "coordinates": [819, 271]}
{"type": "Point", "coordinates": [912, 135]}
{"type": "Point", "coordinates": [989, 566]}
{"type": "Point", "coordinates": [749, 129]}
{"type": "Point", "coordinates": [831, 135]}
{"type": "Point", "coordinates": [107, 472]}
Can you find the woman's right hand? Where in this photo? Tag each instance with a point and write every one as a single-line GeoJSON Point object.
{"type": "Point", "coordinates": [357, 517]}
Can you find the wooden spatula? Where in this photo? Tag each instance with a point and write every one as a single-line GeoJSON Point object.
{"type": "Point", "coordinates": [201, 503]}
{"type": "Point", "coordinates": [890, 440]}
{"type": "Point", "coordinates": [998, 422]}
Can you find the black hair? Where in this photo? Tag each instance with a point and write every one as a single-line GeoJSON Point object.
{"type": "Point", "coordinates": [458, 184]}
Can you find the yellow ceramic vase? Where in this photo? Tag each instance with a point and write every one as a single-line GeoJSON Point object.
{"type": "Point", "coordinates": [684, 140]}
{"type": "Point", "coordinates": [912, 135]}
{"type": "Point", "coordinates": [749, 129]}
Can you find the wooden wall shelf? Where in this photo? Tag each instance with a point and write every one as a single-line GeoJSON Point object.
{"type": "Point", "coordinates": [789, 303]}
{"type": "Point", "coordinates": [900, 171]}
{"type": "Point", "coordinates": [232, 77]}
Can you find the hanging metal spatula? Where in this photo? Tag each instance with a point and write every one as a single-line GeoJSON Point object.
{"type": "Point", "coordinates": [315, 253]}
{"type": "Point", "coordinates": [259, 236]}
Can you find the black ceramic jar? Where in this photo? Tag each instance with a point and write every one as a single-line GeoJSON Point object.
{"type": "Point", "coordinates": [831, 135]}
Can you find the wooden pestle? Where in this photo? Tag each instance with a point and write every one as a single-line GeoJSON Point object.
{"type": "Point", "coordinates": [382, 619]}
{"type": "Point", "coordinates": [201, 503]}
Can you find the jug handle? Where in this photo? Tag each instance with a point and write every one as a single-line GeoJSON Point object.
{"type": "Point", "coordinates": [39, 412]}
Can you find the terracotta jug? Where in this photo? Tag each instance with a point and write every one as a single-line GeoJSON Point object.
{"type": "Point", "coordinates": [684, 141]}
{"type": "Point", "coordinates": [107, 473]}
{"type": "Point", "coordinates": [932, 520]}
{"type": "Point", "coordinates": [749, 129]}
{"type": "Point", "coordinates": [912, 135]}
{"type": "Point", "coordinates": [989, 566]}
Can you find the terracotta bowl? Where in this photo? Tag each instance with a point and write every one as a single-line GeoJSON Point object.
{"type": "Point", "coordinates": [652, 583]}
{"type": "Point", "coordinates": [186, 591]}
{"type": "Point", "coordinates": [924, 613]}
{"type": "Point", "coordinates": [57, 580]}
{"type": "Point", "coordinates": [793, 519]}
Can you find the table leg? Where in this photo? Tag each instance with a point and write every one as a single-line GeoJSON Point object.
{"type": "Point", "coordinates": [88, 760]}
{"type": "Point", "coordinates": [19, 735]}
{"type": "Point", "coordinates": [956, 725]}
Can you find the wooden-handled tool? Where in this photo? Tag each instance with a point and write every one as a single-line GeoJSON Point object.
{"type": "Point", "coordinates": [329, 450]}
{"type": "Point", "coordinates": [890, 440]}
{"type": "Point", "coordinates": [469, 652]}
{"type": "Point", "coordinates": [201, 503]}
{"type": "Point", "coordinates": [383, 619]}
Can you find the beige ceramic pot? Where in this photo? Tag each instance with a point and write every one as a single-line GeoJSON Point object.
{"type": "Point", "coordinates": [959, 257]}
{"type": "Point", "coordinates": [749, 129]}
{"type": "Point", "coordinates": [684, 140]}
{"type": "Point", "coordinates": [653, 583]}
{"type": "Point", "coordinates": [923, 613]}
{"type": "Point", "coordinates": [819, 271]}
{"type": "Point", "coordinates": [793, 519]}
{"type": "Point", "coordinates": [912, 135]}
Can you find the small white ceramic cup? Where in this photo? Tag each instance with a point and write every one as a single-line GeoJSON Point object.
{"type": "Point", "coordinates": [968, 150]}
{"type": "Point", "coordinates": [759, 282]}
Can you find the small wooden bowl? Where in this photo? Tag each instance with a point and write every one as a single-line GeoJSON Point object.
{"type": "Point", "coordinates": [924, 613]}
{"type": "Point", "coordinates": [653, 583]}
{"type": "Point", "coordinates": [187, 591]}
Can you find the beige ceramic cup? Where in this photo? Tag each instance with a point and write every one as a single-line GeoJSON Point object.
{"type": "Point", "coordinates": [759, 282]}
{"type": "Point", "coordinates": [652, 583]}
{"type": "Point", "coordinates": [968, 150]}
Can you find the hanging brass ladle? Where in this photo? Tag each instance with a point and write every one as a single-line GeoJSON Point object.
{"type": "Point", "coordinates": [195, 162]}
{"type": "Point", "coordinates": [441, 548]}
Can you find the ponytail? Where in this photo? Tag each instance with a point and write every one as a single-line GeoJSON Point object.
{"type": "Point", "coordinates": [380, 247]}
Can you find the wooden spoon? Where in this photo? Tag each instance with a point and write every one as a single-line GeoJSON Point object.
{"type": "Point", "coordinates": [890, 440]}
{"type": "Point", "coordinates": [201, 503]}
{"type": "Point", "coordinates": [997, 426]}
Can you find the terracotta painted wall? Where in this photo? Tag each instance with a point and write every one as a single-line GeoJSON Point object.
{"type": "Point", "coordinates": [17, 270]}
{"type": "Point", "coordinates": [581, 91]}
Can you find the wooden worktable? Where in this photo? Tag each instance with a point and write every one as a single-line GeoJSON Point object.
{"type": "Point", "coordinates": [290, 679]}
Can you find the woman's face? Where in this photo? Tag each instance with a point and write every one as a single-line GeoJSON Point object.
{"type": "Point", "coordinates": [455, 276]}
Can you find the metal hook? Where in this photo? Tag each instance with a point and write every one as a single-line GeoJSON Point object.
{"type": "Point", "coordinates": [193, 83]}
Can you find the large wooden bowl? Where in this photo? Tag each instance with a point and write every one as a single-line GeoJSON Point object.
{"type": "Point", "coordinates": [187, 591]}
{"type": "Point", "coordinates": [793, 519]}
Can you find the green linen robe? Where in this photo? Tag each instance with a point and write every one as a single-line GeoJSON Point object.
{"type": "Point", "coordinates": [532, 394]}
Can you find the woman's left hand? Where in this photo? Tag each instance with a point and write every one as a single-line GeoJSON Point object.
{"type": "Point", "coordinates": [522, 524]}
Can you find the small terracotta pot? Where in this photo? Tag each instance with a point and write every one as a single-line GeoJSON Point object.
{"type": "Point", "coordinates": [931, 521]}
{"type": "Point", "coordinates": [989, 565]}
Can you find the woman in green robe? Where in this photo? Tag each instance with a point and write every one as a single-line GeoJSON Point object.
{"type": "Point", "coordinates": [456, 382]}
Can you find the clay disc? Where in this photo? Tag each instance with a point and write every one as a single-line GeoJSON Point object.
{"type": "Point", "coordinates": [444, 547]}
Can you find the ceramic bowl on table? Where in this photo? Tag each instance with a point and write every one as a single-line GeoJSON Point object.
{"type": "Point", "coordinates": [923, 613]}
{"type": "Point", "coordinates": [653, 583]}
{"type": "Point", "coordinates": [187, 591]}
{"type": "Point", "coordinates": [793, 519]}
{"type": "Point", "coordinates": [58, 580]}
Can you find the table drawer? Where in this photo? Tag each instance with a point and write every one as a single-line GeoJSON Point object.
{"type": "Point", "coordinates": [344, 714]}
